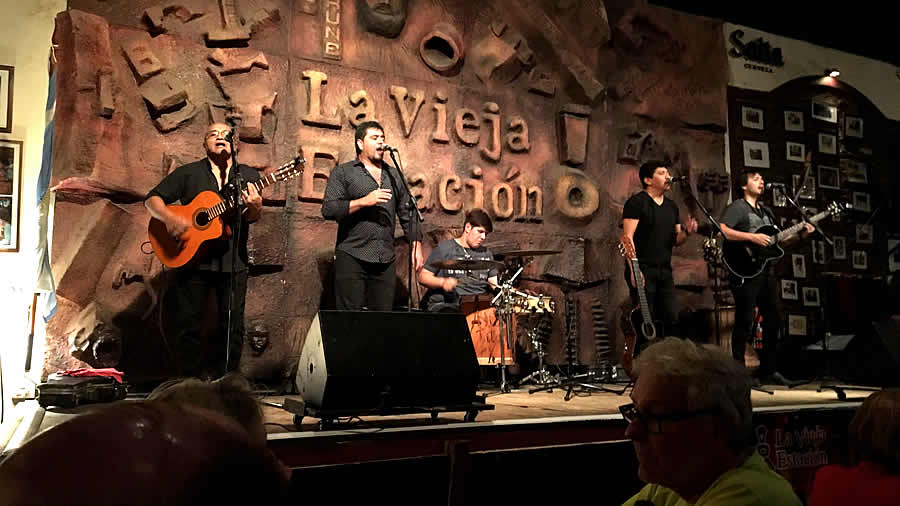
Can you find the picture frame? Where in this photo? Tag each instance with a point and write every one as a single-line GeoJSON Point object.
{"type": "Point", "coordinates": [7, 80]}
{"type": "Point", "coordinates": [756, 154]}
{"type": "Point", "coordinates": [751, 117]}
{"type": "Point", "coordinates": [840, 247]}
{"type": "Point", "coordinates": [778, 197]}
{"type": "Point", "coordinates": [793, 121]}
{"type": "Point", "coordinates": [796, 151]}
{"type": "Point", "coordinates": [818, 252]}
{"type": "Point", "coordinates": [824, 112]}
{"type": "Point", "coordinates": [798, 262]}
{"type": "Point", "coordinates": [827, 144]}
{"type": "Point", "coordinates": [854, 171]}
{"type": "Point", "coordinates": [811, 296]}
{"type": "Point", "coordinates": [853, 127]}
{"type": "Point", "coordinates": [11, 153]}
{"type": "Point", "coordinates": [862, 202]}
{"type": "Point", "coordinates": [789, 289]}
{"type": "Point", "coordinates": [860, 260]}
{"type": "Point", "coordinates": [893, 255]}
{"type": "Point", "coordinates": [796, 325]}
{"type": "Point", "coordinates": [865, 234]}
{"type": "Point", "coordinates": [808, 191]}
{"type": "Point", "coordinates": [829, 177]}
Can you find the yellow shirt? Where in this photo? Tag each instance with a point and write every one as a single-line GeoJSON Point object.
{"type": "Point", "coordinates": [754, 483]}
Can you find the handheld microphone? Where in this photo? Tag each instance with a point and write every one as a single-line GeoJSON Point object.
{"type": "Point", "coordinates": [387, 147]}
{"type": "Point", "coordinates": [678, 179]}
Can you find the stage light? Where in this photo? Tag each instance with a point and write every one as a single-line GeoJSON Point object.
{"type": "Point", "coordinates": [832, 72]}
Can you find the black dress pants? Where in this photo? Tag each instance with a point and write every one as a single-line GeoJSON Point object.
{"type": "Point", "coordinates": [756, 292]}
{"type": "Point", "coordinates": [362, 285]}
{"type": "Point", "coordinates": [660, 290]}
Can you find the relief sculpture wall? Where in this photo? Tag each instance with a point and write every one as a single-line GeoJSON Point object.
{"type": "Point", "coordinates": [538, 111]}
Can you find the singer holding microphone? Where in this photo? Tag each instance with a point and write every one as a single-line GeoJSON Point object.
{"type": "Point", "coordinates": [365, 196]}
{"type": "Point", "coordinates": [650, 220]}
{"type": "Point", "coordinates": [211, 272]}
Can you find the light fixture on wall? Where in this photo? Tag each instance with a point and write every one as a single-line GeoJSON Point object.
{"type": "Point", "coordinates": [832, 72]}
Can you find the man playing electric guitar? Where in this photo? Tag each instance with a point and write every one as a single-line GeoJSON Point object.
{"type": "Point", "coordinates": [741, 217]}
{"type": "Point", "coordinates": [212, 269]}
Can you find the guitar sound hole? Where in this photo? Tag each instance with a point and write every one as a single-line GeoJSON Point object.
{"type": "Point", "coordinates": [202, 218]}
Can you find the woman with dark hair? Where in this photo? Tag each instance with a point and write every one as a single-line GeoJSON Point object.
{"type": "Point", "coordinates": [875, 440]}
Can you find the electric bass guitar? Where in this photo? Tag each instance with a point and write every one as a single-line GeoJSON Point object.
{"type": "Point", "coordinates": [205, 213]}
{"type": "Point", "coordinates": [642, 328]}
{"type": "Point", "coordinates": [747, 260]}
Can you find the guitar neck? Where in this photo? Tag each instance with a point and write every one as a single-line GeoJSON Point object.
{"type": "Point", "coordinates": [794, 229]}
{"type": "Point", "coordinates": [642, 294]}
{"type": "Point", "coordinates": [228, 203]}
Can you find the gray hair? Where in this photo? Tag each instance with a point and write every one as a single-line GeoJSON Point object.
{"type": "Point", "coordinates": [711, 379]}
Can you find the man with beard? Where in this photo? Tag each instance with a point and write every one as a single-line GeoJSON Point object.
{"type": "Point", "coordinates": [365, 196]}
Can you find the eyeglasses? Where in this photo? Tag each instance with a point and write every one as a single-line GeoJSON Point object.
{"type": "Point", "coordinates": [215, 133]}
{"type": "Point", "coordinates": [653, 422]}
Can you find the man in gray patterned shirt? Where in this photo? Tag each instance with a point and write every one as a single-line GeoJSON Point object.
{"type": "Point", "coordinates": [365, 196]}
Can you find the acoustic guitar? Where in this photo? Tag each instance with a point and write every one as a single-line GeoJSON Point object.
{"type": "Point", "coordinates": [641, 323]}
{"type": "Point", "coordinates": [205, 213]}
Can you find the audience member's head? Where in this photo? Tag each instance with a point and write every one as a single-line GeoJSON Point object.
{"type": "Point", "coordinates": [143, 454]}
{"type": "Point", "coordinates": [230, 395]}
{"type": "Point", "coordinates": [875, 429]}
{"type": "Point", "coordinates": [691, 415]}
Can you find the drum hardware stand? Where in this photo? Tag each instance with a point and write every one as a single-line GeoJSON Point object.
{"type": "Point", "coordinates": [541, 376]}
{"type": "Point", "coordinates": [504, 302]}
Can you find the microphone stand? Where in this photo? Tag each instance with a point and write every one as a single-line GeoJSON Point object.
{"type": "Point", "coordinates": [413, 226]}
{"type": "Point", "coordinates": [236, 184]}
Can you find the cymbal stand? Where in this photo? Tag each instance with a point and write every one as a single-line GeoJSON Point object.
{"type": "Point", "coordinates": [541, 376]}
{"type": "Point", "coordinates": [504, 301]}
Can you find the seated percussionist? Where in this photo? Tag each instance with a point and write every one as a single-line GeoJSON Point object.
{"type": "Point", "coordinates": [445, 285]}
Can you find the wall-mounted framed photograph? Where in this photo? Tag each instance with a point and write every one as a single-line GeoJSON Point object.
{"type": "Point", "coordinates": [10, 194]}
{"type": "Point", "coordinates": [778, 197]}
{"type": "Point", "coordinates": [824, 112]}
{"type": "Point", "coordinates": [808, 191]}
{"type": "Point", "coordinates": [810, 296]}
{"type": "Point", "coordinates": [829, 177]}
{"type": "Point", "coordinates": [865, 234]}
{"type": "Point", "coordinates": [793, 121]}
{"type": "Point", "coordinates": [799, 264]}
{"type": "Point", "coordinates": [893, 246]}
{"type": "Point", "coordinates": [862, 201]}
{"type": "Point", "coordinates": [827, 144]}
{"type": "Point", "coordinates": [789, 289]}
{"type": "Point", "coordinates": [7, 72]}
{"type": "Point", "coordinates": [796, 152]}
{"type": "Point", "coordinates": [818, 252]}
{"type": "Point", "coordinates": [854, 171]}
{"type": "Point", "coordinates": [853, 127]}
{"type": "Point", "coordinates": [796, 325]}
{"type": "Point", "coordinates": [756, 154]}
{"type": "Point", "coordinates": [840, 247]}
{"type": "Point", "coordinates": [751, 117]}
{"type": "Point", "coordinates": [860, 260]}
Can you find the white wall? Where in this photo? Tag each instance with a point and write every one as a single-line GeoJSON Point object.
{"type": "Point", "coordinates": [27, 26]}
{"type": "Point", "coordinates": [878, 81]}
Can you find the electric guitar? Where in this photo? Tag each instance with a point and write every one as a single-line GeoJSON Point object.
{"type": "Point", "coordinates": [205, 213]}
{"type": "Point", "coordinates": [642, 328]}
{"type": "Point", "coordinates": [747, 260]}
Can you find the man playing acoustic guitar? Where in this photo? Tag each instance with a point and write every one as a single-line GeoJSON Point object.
{"type": "Point", "coordinates": [211, 270]}
{"type": "Point", "coordinates": [741, 217]}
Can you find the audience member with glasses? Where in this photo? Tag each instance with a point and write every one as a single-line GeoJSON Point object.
{"type": "Point", "coordinates": [690, 422]}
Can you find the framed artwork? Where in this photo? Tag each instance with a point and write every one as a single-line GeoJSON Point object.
{"type": "Point", "coordinates": [796, 325]}
{"type": "Point", "coordinates": [751, 117]}
{"type": "Point", "coordinates": [810, 296]}
{"type": "Point", "coordinates": [827, 144]}
{"type": "Point", "coordinates": [799, 264]}
{"type": "Point", "coordinates": [840, 247]}
{"type": "Point", "coordinates": [864, 234]}
{"type": "Point", "coordinates": [854, 171]}
{"type": "Point", "coordinates": [796, 152]}
{"type": "Point", "coordinates": [860, 260]}
{"type": "Point", "coordinates": [756, 154]}
{"type": "Point", "coordinates": [853, 127]}
{"type": "Point", "coordinates": [10, 193]}
{"type": "Point", "coordinates": [862, 202]}
{"type": "Point", "coordinates": [818, 252]}
{"type": "Point", "coordinates": [829, 177]}
{"type": "Point", "coordinates": [778, 197]}
{"type": "Point", "coordinates": [7, 73]}
{"type": "Point", "coordinates": [809, 187]}
{"type": "Point", "coordinates": [793, 121]}
{"type": "Point", "coordinates": [893, 246]}
{"type": "Point", "coordinates": [824, 112]}
{"type": "Point", "coordinates": [789, 289]}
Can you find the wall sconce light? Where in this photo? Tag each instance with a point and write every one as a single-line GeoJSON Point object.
{"type": "Point", "coordinates": [832, 72]}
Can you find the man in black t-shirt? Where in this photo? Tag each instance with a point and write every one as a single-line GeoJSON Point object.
{"type": "Point", "coordinates": [445, 285]}
{"type": "Point", "coordinates": [211, 271]}
{"type": "Point", "coordinates": [740, 219]}
{"type": "Point", "coordinates": [650, 220]}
